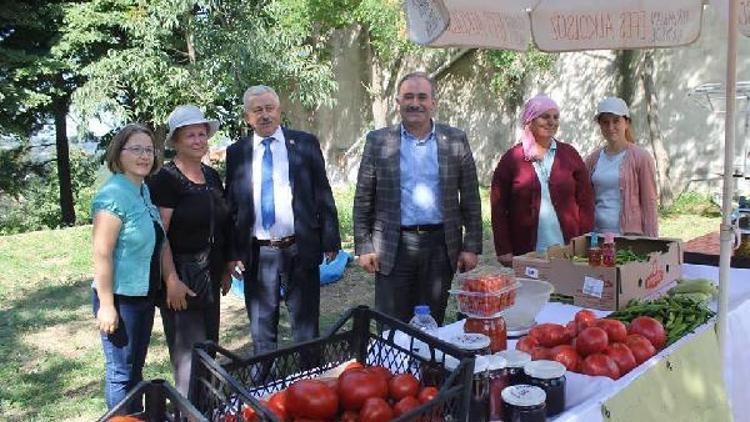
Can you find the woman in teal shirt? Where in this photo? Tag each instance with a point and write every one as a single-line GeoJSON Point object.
{"type": "Point", "coordinates": [128, 238]}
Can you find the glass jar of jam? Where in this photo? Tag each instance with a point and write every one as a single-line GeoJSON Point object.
{"type": "Point", "coordinates": [550, 377]}
{"type": "Point", "coordinates": [476, 344]}
{"type": "Point", "coordinates": [498, 380]}
{"type": "Point", "coordinates": [515, 360]}
{"type": "Point", "coordinates": [494, 328]}
{"type": "Point", "coordinates": [480, 393]}
{"type": "Point", "coordinates": [524, 403]}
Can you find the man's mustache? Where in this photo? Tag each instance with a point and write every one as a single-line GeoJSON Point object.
{"type": "Point", "coordinates": [414, 108]}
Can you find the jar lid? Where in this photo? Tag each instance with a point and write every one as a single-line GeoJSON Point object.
{"type": "Point", "coordinates": [515, 358]}
{"type": "Point", "coordinates": [481, 364]}
{"type": "Point", "coordinates": [544, 369]}
{"type": "Point", "coordinates": [496, 362]}
{"type": "Point", "coordinates": [523, 395]}
{"type": "Point", "coordinates": [470, 342]}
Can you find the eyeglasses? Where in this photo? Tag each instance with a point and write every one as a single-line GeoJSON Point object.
{"type": "Point", "coordinates": [139, 150]}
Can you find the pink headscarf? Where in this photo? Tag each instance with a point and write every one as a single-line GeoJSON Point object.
{"type": "Point", "coordinates": [533, 108]}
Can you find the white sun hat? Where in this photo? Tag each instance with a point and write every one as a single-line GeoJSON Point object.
{"type": "Point", "coordinates": [614, 105]}
{"type": "Point", "coordinates": [186, 115]}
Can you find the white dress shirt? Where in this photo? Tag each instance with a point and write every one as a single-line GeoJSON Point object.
{"type": "Point", "coordinates": [282, 189]}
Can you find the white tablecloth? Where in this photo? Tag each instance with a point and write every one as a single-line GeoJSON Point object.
{"type": "Point", "coordinates": [585, 394]}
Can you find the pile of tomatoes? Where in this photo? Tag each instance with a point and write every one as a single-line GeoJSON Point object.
{"type": "Point", "coordinates": [359, 394]}
{"type": "Point", "coordinates": [486, 295]}
{"type": "Point", "coordinates": [599, 347]}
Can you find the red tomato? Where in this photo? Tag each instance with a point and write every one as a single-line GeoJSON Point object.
{"type": "Point", "coordinates": [599, 364]}
{"type": "Point", "coordinates": [567, 355]}
{"type": "Point", "coordinates": [527, 344]}
{"type": "Point", "coordinates": [307, 420]}
{"type": "Point", "coordinates": [623, 357]}
{"type": "Point", "coordinates": [311, 399]}
{"type": "Point", "coordinates": [227, 418]}
{"type": "Point", "coordinates": [349, 416]}
{"type": "Point", "coordinates": [427, 394]}
{"type": "Point", "coordinates": [640, 346]}
{"type": "Point", "coordinates": [616, 330]}
{"type": "Point", "coordinates": [130, 418]}
{"type": "Point", "coordinates": [353, 365]}
{"type": "Point", "coordinates": [404, 405]}
{"type": "Point", "coordinates": [331, 382]}
{"type": "Point", "coordinates": [248, 414]}
{"type": "Point", "coordinates": [375, 409]}
{"type": "Point", "coordinates": [571, 331]}
{"type": "Point", "coordinates": [549, 335]}
{"type": "Point", "coordinates": [584, 318]}
{"type": "Point", "coordinates": [357, 385]}
{"type": "Point", "coordinates": [651, 329]}
{"type": "Point", "coordinates": [380, 371]}
{"type": "Point", "coordinates": [591, 340]}
{"type": "Point", "coordinates": [277, 404]}
{"type": "Point", "coordinates": [540, 353]}
{"type": "Point", "coordinates": [403, 385]}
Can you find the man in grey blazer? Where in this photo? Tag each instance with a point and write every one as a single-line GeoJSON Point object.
{"type": "Point", "coordinates": [417, 211]}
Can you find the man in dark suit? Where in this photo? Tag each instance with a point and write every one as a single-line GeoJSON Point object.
{"type": "Point", "coordinates": [417, 211]}
{"type": "Point", "coordinates": [285, 220]}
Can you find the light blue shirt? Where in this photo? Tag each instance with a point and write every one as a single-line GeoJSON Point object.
{"type": "Point", "coordinates": [421, 199]}
{"type": "Point", "coordinates": [548, 231]}
{"type": "Point", "coordinates": [607, 196]}
{"type": "Point", "coordinates": [131, 257]}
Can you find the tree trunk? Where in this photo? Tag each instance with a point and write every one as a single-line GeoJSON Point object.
{"type": "Point", "coordinates": [60, 110]}
{"type": "Point", "coordinates": [626, 74]}
{"type": "Point", "coordinates": [664, 181]}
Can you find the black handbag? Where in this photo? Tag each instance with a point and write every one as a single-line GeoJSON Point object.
{"type": "Point", "coordinates": [194, 269]}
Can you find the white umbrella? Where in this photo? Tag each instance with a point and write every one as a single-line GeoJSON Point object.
{"type": "Point", "coordinates": [574, 25]}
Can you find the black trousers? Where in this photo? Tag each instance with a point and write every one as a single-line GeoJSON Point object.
{"type": "Point", "coordinates": [185, 328]}
{"type": "Point", "coordinates": [276, 268]}
{"type": "Point", "coordinates": [421, 276]}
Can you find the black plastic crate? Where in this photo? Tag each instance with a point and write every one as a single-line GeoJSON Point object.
{"type": "Point", "coordinates": [220, 387]}
{"type": "Point", "coordinates": [160, 403]}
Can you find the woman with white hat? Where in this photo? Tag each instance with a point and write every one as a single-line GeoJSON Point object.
{"type": "Point", "coordinates": [191, 200]}
{"type": "Point", "coordinates": [622, 174]}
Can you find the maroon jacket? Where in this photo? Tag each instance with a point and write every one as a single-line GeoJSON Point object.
{"type": "Point", "coordinates": [516, 196]}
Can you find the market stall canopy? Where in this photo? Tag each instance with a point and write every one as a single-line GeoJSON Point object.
{"type": "Point", "coordinates": [558, 25]}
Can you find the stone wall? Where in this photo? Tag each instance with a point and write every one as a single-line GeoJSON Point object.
{"type": "Point", "coordinates": [693, 135]}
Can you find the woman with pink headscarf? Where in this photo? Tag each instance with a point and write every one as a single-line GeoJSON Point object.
{"type": "Point", "coordinates": [541, 192]}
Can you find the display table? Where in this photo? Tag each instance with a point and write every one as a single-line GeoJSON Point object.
{"type": "Point", "coordinates": [591, 399]}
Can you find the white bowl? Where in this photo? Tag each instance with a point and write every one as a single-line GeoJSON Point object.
{"type": "Point", "coordinates": [531, 297]}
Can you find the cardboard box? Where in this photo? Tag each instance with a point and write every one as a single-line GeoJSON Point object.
{"type": "Point", "coordinates": [606, 288]}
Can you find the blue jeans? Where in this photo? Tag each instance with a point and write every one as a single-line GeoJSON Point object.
{"type": "Point", "coordinates": [125, 349]}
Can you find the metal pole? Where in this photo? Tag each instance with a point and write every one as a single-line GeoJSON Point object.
{"type": "Point", "coordinates": [726, 233]}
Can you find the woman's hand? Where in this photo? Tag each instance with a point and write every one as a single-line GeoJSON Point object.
{"type": "Point", "coordinates": [107, 319]}
{"type": "Point", "coordinates": [506, 259]}
{"type": "Point", "coordinates": [176, 294]}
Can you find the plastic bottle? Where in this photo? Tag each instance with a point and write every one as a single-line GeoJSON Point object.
{"type": "Point", "coordinates": [432, 372]}
{"type": "Point", "coordinates": [608, 250]}
{"type": "Point", "coordinates": [595, 252]}
{"type": "Point", "coordinates": [422, 320]}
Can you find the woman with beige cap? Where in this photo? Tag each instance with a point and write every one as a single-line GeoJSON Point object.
{"type": "Point", "coordinates": [622, 174]}
{"type": "Point", "coordinates": [191, 200]}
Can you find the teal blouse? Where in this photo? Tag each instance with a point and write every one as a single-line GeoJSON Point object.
{"type": "Point", "coordinates": [131, 257]}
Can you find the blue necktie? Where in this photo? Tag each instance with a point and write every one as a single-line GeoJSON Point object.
{"type": "Point", "coordinates": [267, 210]}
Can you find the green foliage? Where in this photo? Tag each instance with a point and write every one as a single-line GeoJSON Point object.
{"type": "Point", "coordinates": [693, 203]}
{"type": "Point", "coordinates": [37, 208]}
{"type": "Point", "coordinates": [513, 70]}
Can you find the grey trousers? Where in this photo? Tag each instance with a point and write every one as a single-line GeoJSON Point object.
{"type": "Point", "coordinates": [421, 275]}
{"type": "Point", "coordinates": [183, 329]}
{"type": "Point", "coordinates": [276, 268]}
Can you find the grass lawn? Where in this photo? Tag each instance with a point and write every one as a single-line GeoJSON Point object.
{"type": "Point", "coordinates": [52, 366]}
